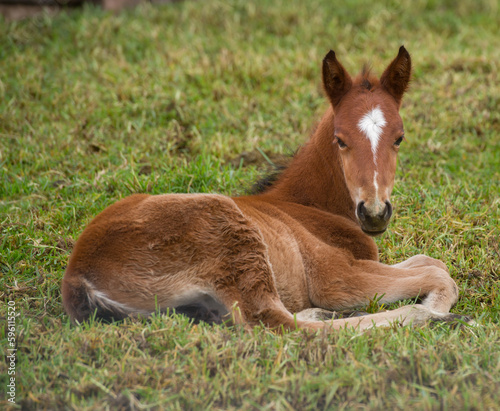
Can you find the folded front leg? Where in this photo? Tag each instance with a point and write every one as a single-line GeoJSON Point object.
{"type": "Point", "coordinates": [362, 280]}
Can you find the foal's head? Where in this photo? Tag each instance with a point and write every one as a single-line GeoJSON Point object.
{"type": "Point", "coordinates": [368, 133]}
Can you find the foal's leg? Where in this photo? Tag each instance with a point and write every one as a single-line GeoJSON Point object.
{"type": "Point", "coordinates": [242, 277]}
{"type": "Point", "coordinates": [355, 284]}
{"type": "Point", "coordinates": [259, 303]}
{"type": "Point", "coordinates": [429, 280]}
{"type": "Point", "coordinates": [407, 315]}
{"type": "Point", "coordinates": [367, 278]}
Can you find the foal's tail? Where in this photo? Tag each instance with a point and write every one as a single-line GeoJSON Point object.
{"type": "Point", "coordinates": [83, 301]}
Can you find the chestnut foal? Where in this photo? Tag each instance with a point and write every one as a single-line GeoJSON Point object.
{"type": "Point", "coordinates": [302, 246]}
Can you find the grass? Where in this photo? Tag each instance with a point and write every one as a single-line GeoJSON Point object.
{"type": "Point", "coordinates": [185, 98]}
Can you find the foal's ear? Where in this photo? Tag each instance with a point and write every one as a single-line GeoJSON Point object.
{"type": "Point", "coordinates": [396, 77]}
{"type": "Point", "coordinates": [336, 79]}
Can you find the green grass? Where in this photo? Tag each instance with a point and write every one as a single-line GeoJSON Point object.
{"type": "Point", "coordinates": [96, 106]}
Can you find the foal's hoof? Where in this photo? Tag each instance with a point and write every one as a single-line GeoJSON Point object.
{"type": "Point", "coordinates": [316, 314]}
{"type": "Point", "coordinates": [453, 320]}
{"type": "Point", "coordinates": [351, 314]}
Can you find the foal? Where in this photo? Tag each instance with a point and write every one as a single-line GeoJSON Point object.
{"type": "Point", "coordinates": [301, 246]}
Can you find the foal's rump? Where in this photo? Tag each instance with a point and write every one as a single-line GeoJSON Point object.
{"type": "Point", "coordinates": [148, 253]}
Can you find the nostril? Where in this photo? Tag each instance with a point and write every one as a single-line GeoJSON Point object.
{"type": "Point", "coordinates": [361, 210]}
{"type": "Point", "coordinates": [388, 211]}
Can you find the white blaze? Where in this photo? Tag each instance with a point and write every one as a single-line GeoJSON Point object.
{"type": "Point", "coordinates": [372, 124]}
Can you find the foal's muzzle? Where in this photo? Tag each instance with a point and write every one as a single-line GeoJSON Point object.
{"type": "Point", "coordinates": [374, 223]}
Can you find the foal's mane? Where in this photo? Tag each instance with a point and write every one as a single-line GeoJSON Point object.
{"type": "Point", "coordinates": [277, 169]}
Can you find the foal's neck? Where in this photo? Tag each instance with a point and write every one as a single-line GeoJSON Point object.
{"type": "Point", "coordinates": [315, 177]}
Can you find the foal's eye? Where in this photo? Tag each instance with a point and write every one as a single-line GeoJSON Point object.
{"type": "Point", "coordinates": [398, 142]}
{"type": "Point", "coordinates": [340, 143]}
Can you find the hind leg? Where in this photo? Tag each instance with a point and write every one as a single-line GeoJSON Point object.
{"type": "Point", "coordinates": [236, 268]}
{"type": "Point", "coordinates": [251, 296]}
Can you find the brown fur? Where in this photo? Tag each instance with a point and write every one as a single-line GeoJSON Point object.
{"type": "Point", "coordinates": [259, 259]}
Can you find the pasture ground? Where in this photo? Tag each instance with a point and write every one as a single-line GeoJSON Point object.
{"type": "Point", "coordinates": [195, 97]}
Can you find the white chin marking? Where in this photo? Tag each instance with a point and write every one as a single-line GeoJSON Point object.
{"type": "Point", "coordinates": [372, 124]}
